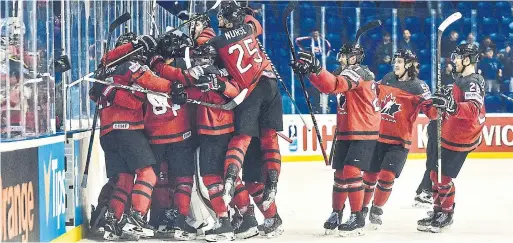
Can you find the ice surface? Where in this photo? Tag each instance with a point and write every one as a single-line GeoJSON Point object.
{"type": "Point", "coordinates": [482, 214]}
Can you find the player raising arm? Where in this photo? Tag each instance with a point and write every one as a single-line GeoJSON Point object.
{"type": "Point", "coordinates": [358, 121]}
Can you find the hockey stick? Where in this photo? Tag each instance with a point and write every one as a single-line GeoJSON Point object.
{"type": "Point", "coordinates": [228, 106]}
{"type": "Point", "coordinates": [290, 7]}
{"type": "Point", "coordinates": [284, 137]}
{"type": "Point", "coordinates": [506, 97]}
{"type": "Point", "coordinates": [114, 25]}
{"type": "Point", "coordinates": [451, 19]}
{"type": "Point", "coordinates": [359, 32]}
{"type": "Point", "coordinates": [282, 83]}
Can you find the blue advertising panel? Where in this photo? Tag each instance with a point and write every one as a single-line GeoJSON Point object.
{"type": "Point", "coordinates": [52, 191]}
{"type": "Point", "coordinates": [78, 177]}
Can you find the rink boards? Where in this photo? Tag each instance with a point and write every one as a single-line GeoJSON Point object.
{"type": "Point", "coordinates": [496, 140]}
{"type": "Point", "coordinates": [40, 178]}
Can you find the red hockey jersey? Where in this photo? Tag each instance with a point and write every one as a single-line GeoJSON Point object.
{"type": "Point", "coordinates": [462, 130]}
{"type": "Point", "coordinates": [401, 102]}
{"type": "Point", "coordinates": [239, 53]}
{"type": "Point", "coordinates": [358, 115]}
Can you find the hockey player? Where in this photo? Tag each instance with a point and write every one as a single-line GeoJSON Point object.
{"type": "Point", "coordinates": [214, 126]}
{"type": "Point", "coordinates": [127, 151]}
{"type": "Point", "coordinates": [402, 96]}
{"type": "Point", "coordinates": [243, 222]}
{"type": "Point", "coordinates": [463, 119]}
{"type": "Point", "coordinates": [260, 115]}
{"type": "Point", "coordinates": [357, 130]}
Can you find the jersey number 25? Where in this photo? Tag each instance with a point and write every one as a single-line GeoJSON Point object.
{"type": "Point", "coordinates": [242, 51]}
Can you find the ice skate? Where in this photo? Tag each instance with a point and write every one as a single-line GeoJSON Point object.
{"type": "Point", "coordinates": [442, 221]}
{"type": "Point", "coordinates": [245, 226]}
{"type": "Point", "coordinates": [423, 200]}
{"type": "Point", "coordinates": [112, 231]}
{"type": "Point", "coordinates": [167, 222]}
{"type": "Point", "coordinates": [137, 225]}
{"type": "Point", "coordinates": [271, 187]}
{"type": "Point", "coordinates": [354, 226]}
{"type": "Point", "coordinates": [182, 230]}
{"type": "Point", "coordinates": [223, 231]}
{"type": "Point", "coordinates": [97, 221]}
{"type": "Point", "coordinates": [375, 217]}
{"type": "Point", "coordinates": [271, 227]}
{"type": "Point", "coordinates": [333, 222]}
{"type": "Point", "coordinates": [365, 212]}
{"type": "Point", "coordinates": [425, 223]}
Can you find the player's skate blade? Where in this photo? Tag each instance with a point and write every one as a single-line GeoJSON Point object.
{"type": "Point", "coordinates": [272, 227]}
{"type": "Point", "coordinates": [182, 230]}
{"type": "Point", "coordinates": [331, 225]}
{"type": "Point", "coordinates": [137, 225]}
{"type": "Point", "coordinates": [424, 224]}
{"type": "Point", "coordinates": [224, 231]}
{"type": "Point", "coordinates": [442, 222]}
{"type": "Point", "coordinates": [354, 226]}
{"type": "Point", "coordinates": [245, 226]}
{"type": "Point", "coordinates": [375, 218]}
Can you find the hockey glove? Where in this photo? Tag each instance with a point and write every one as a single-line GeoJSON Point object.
{"type": "Point", "coordinates": [307, 63]}
{"type": "Point", "coordinates": [147, 42]}
{"type": "Point", "coordinates": [96, 91]}
{"type": "Point", "coordinates": [210, 82]}
{"type": "Point", "coordinates": [154, 60]}
{"type": "Point", "coordinates": [444, 102]}
{"type": "Point", "coordinates": [178, 94]}
{"type": "Point", "coordinates": [198, 71]}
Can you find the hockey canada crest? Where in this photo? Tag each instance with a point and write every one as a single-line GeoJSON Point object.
{"type": "Point", "coordinates": [389, 106]}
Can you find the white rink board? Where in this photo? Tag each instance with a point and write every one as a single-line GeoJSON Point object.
{"type": "Point", "coordinates": [304, 203]}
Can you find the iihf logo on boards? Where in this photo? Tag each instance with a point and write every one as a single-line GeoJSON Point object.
{"type": "Point", "coordinates": [293, 137]}
{"type": "Point", "coordinates": [389, 107]}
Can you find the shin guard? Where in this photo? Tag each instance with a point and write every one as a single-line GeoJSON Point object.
{"type": "Point", "coordinates": [215, 192]}
{"type": "Point", "coordinates": [339, 194]}
{"type": "Point", "coordinates": [121, 194]}
{"type": "Point", "coordinates": [271, 156]}
{"type": "Point", "coordinates": [182, 196]}
{"type": "Point", "coordinates": [354, 183]}
{"type": "Point", "coordinates": [241, 197]}
{"type": "Point", "coordinates": [446, 192]}
{"type": "Point", "coordinates": [235, 155]}
{"type": "Point", "coordinates": [256, 190]}
{"type": "Point", "coordinates": [369, 180]}
{"type": "Point", "coordinates": [143, 188]}
{"type": "Point", "coordinates": [384, 188]}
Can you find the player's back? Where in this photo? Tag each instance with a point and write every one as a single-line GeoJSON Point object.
{"type": "Point", "coordinates": [239, 53]}
{"type": "Point", "coordinates": [461, 132]}
{"type": "Point", "coordinates": [358, 109]}
{"type": "Point", "coordinates": [400, 105]}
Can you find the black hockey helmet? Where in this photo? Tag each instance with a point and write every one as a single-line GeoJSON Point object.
{"type": "Point", "coordinates": [409, 57]}
{"type": "Point", "coordinates": [232, 12]}
{"type": "Point", "coordinates": [202, 18]}
{"type": "Point", "coordinates": [125, 38]}
{"type": "Point", "coordinates": [172, 44]}
{"type": "Point", "coordinates": [351, 49]}
{"type": "Point", "coordinates": [466, 50]}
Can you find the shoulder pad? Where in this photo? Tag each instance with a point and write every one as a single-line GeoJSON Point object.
{"type": "Point", "coordinates": [472, 87]}
{"type": "Point", "coordinates": [426, 92]}
{"type": "Point", "coordinates": [389, 78]}
{"type": "Point", "coordinates": [363, 71]}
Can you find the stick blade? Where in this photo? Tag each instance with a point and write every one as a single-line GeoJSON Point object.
{"type": "Point", "coordinates": [449, 20]}
{"type": "Point", "coordinates": [290, 7]}
{"type": "Point", "coordinates": [119, 21]}
{"type": "Point", "coordinates": [236, 101]}
{"type": "Point", "coordinates": [367, 27]}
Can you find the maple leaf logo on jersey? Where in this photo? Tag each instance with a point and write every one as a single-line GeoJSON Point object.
{"type": "Point", "coordinates": [390, 106]}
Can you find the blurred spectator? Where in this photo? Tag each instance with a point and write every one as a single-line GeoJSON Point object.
{"type": "Point", "coordinates": [471, 39]}
{"type": "Point", "coordinates": [505, 57]}
{"type": "Point", "coordinates": [314, 44]}
{"type": "Point", "coordinates": [449, 44]}
{"type": "Point", "coordinates": [486, 44]}
{"type": "Point", "coordinates": [384, 51]}
{"type": "Point", "coordinates": [406, 42]}
{"type": "Point", "coordinates": [491, 69]}
{"type": "Point", "coordinates": [447, 76]}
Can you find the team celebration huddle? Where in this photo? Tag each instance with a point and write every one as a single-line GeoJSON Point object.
{"type": "Point", "coordinates": [190, 123]}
